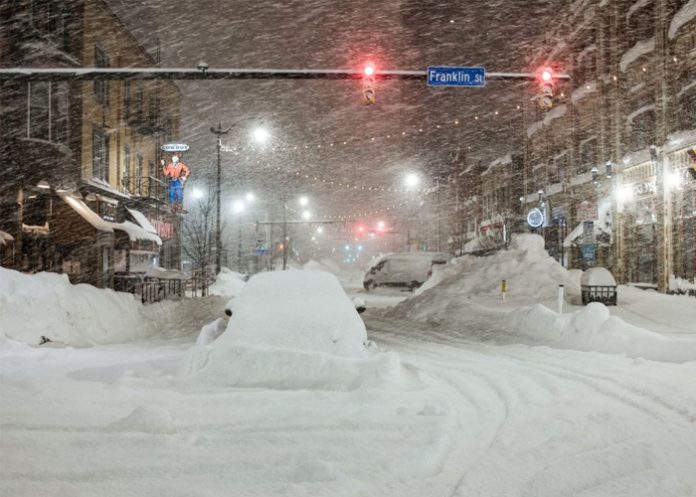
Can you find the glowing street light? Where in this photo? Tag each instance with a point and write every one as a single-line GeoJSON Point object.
{"type": "Point", "coordinates": [411, 180]}
{"type": "Point", "coordinates": [303, 201]}
{"type": "Point", "coordinates": [238, 206]}
{"type": "Point", "coordinates": [320, 230]}
{"type": "Point", "coordinates": [250, 197]}
{"type": "Point", "coordinates": [306, 215]}
{"type": "Point", "coordinates": [260, 135]}
{"type": "Point", "coordinates": [197, 193]}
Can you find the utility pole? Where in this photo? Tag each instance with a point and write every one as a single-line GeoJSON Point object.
{"type": "Point", "coordinates": [218, 240]}
{"type": "Point", "coordinates": [285, 232]}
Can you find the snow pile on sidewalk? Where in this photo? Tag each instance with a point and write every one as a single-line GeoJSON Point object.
{"type": "Point", "coordinates": [593, 329]}
{"type": "Point", "coordinates": [530, 273]}
{"type": "Point", "coordinates": [228, 283]}
{"type": "Point", "coordinates": [292, 330]}
{"type": "Point", "coordinates": [48, 305]}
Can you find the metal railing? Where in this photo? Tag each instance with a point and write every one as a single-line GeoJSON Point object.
{"type": "Point", "coordinates": [145, 187]}
{"type": "Point", "coordinates": [149, 290]}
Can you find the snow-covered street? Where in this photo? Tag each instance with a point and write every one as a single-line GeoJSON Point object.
{"type": "Point", "coordinates": [473, 412]}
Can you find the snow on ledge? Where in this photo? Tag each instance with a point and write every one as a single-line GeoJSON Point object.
{"type": "Point", "coordinates": [638, 50]}
{"type": "Point", "coordinates": [686, 14]}
{"type": "Point", "coordinates": [583, 92]}
{"type": "Point", "coordinates": [5, 237]}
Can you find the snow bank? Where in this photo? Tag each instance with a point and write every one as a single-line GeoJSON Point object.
{"type": "Point", "coordinates": [48, 305]}
{"type": "Point", "coordinates": [228, 283]}
{"type": "Point", "coordinates": [145, 419]}
{"type": "Point", "coordinates": [292, 330]}
{"type": "Point", "coordinates": [529, 271]}
{"type": "Point", "coordinates": [594, 329]}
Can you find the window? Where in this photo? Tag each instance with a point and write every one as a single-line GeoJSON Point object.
{"type": "Point", "coordinates": [643, 130]}
{"type": "Point", "coordinates": [38, 125]}
{"type": "Point", "coordinates": [38, 15]}
{"type": "Point", "coordinates": [100, 158]}
{"type": "Point", "coordinates": [67, 22]}
{"type": "Point", "coordinates": [48, 111]}
{"type": "Point", "coordinates": [152, 110]}
{"type": "Point", "coordinates": [60, 125]}
{"type": "Point", "coordinates": [126, 99]}
{"type": "Point", "coordinates": [126, 167]}
{"type": "Point", "coordinates": [101, 88]}
{"type": "Point", "coordinates": [138, 169]}
{"type": "Point", "coordinates": [139, 101]}
{"type": "Point", "coordinates": [588, 155]}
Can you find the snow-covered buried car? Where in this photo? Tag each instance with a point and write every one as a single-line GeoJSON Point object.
{"type": "Point", "coordinates": [410, 269]}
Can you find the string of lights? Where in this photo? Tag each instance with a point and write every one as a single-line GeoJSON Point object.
{"type": "Point", "coordinates": [338, 143]}
{"type": "Point", "coordinates": [356, 187]}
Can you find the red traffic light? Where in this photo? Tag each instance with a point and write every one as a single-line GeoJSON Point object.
{"type": "Point", "coordinates": [369, 69]}
{"type": "Point", "coordinates": [546, 74]}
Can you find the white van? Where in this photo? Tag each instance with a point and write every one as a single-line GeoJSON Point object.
{"type": "Point", "coordinates": [409, 269]}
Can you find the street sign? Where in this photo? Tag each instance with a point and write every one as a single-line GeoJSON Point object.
{"type": "Point", "coordinates": [175, 147]}
{"type": "Point", "coordinates": [456, 76]}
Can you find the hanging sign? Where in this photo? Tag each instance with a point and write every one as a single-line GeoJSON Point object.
{"type": "Point", "coordinates": [175, 147]}
{"type": "Point", "coordinates": [535, 218]}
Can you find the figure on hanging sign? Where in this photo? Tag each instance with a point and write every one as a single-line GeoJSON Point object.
{"type": "Point", "coordinates": [178, 173]}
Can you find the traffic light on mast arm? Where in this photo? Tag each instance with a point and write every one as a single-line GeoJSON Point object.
{"type": "Point", "coordinates": [368, 84]}
{"type": "Point", "coordinates": [546, 88]}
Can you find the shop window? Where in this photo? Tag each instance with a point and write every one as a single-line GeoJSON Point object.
{"type": "Point", "coordinates": [35, 211]}
{"type": "Point", "coordinates": [687, 110]}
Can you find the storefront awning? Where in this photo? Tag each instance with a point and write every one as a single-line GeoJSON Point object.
{"type": "Point", "coordinates": [134, 231]}
{"type": "Point", "coordinates": [86, 213]}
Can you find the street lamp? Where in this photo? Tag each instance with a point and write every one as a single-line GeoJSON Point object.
{"type": "Point", "coordinates": [219, 132]}
{"type": "Point", "coordinates": [250, 197]}
{"type": "Point", "coordinates": [411, 180]}
{"type": "Point", "coordinates": [260, 135]}
{"type": "Point", "coordinates": [306, 215]}
{"type": "Point", "coordinates": [303, 201]}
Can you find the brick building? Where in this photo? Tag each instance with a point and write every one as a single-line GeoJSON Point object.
{"type": "Point", "coordinates": [85, 194]}
{"type": "Point", "coordinates": [614, 150]}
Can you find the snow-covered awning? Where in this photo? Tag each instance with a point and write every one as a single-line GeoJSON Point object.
{"type": "Point", "coordinates": [86, 213]}
{"type": "Point", "coordinates": [142, 220]}
{"type": "Point", "coordinates": [5, 237]}
{"type": "Point", "coordinates": [136, 233]}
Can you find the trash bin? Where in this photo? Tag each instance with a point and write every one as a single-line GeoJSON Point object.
{"type": "Point", "coordinates": [598, 285]}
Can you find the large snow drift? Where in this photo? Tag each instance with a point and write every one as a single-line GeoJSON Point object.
{"type": "Point", "coordinates": [470, 286]}
{"type": "Point", "coordinates": [48, 305]}
{"type": "Point", "coordinates": [227, 284]}
{"type": "Point", "coordinates": [592, 328]}
{"type": "Point", "coordinates": [526, 267]}
{"type": "Point", "coordinates": [291, 329]}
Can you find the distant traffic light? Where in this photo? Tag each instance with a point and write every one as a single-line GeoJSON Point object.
{"type": "Point", "coordinates": [546, 89]}
{"type": "Point", "coordinates": [368, 84]}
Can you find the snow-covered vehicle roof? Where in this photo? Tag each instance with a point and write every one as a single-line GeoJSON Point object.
{"type": "Point", "coordinates": [597, 276]}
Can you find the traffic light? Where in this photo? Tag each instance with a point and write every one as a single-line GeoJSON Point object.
{"type": "Point", "coordinates": [546, 89]}
{"type": "Point", "coordinates": [368, 84]}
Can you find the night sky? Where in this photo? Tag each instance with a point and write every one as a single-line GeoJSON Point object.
{"type": "Point", "coordinates": [411, 34]}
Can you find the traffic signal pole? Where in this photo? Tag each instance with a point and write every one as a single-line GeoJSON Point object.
{"type": "Point", "coordinates": [205, 73]}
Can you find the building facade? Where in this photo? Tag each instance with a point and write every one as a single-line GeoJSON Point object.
{"type": "Point", "coordinates": [86, 195]}
{"type": "Point", "coordinates": [612, 158]}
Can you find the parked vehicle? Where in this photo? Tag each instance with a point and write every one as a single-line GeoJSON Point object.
{"type": "Point", "coordinates": [409, 270]}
